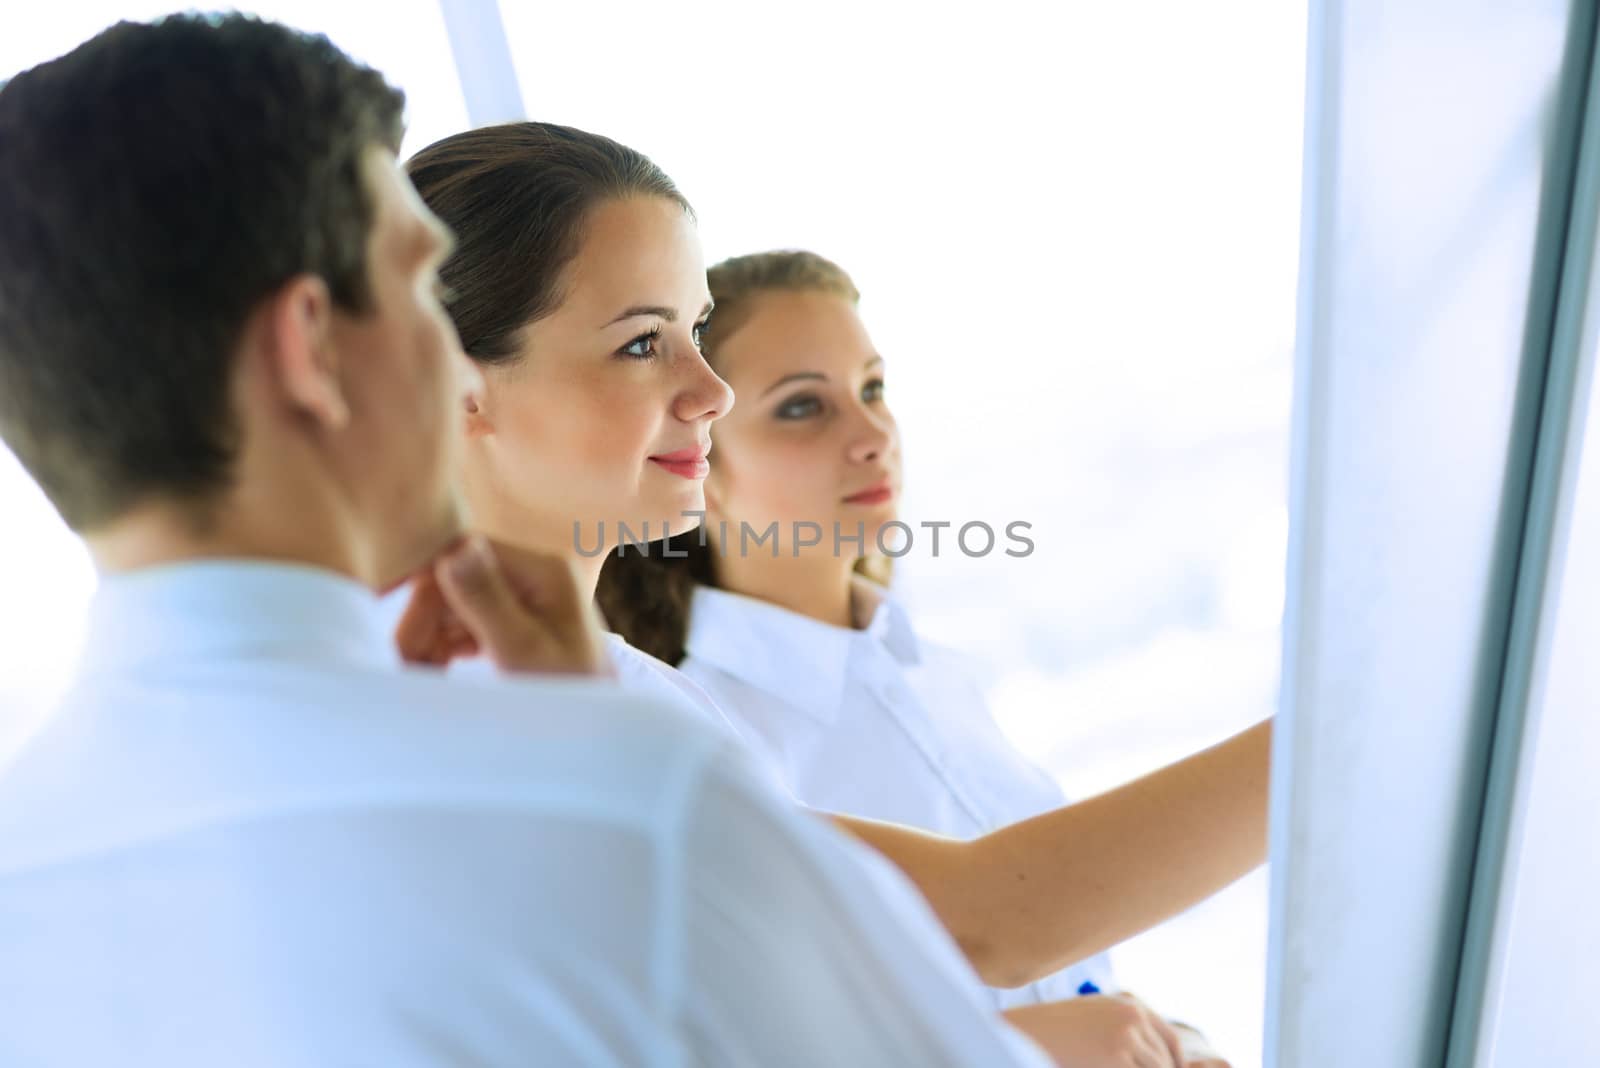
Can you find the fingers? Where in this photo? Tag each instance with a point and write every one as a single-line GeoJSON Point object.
{"type": "Point", "coordinates": [1150, 1052]}
{"type": "Point", "coordinates": [556, 595]}
{"type": "Point", "coordinates": [1155, 1044]}
{"type": "Point", "coordinates": [1168, 1038]}
{"type": "Point", "coordinates": [1147, 1056]}
{"type": "Point", "coordinates": [1197, 1048]}
{"type": "Point", "coordinates": [526, 610]}
{"type": "Point", "coordinates": [478, 593]}
{"type": "Point", "coordinates": [417, 634]}
{"type": "Point", "coordinates": [428, 631]}
{"type": "Point", "coordinates": [1100, 1031]}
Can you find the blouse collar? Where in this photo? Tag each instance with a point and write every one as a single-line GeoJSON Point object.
{"type": "Point", "coordinates": [799, 659]}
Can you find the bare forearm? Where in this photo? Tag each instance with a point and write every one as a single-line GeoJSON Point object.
{"type": "Point", "coordinates": [1075, 881]}
{"type": "Point", "coordinates": [1031, 898]}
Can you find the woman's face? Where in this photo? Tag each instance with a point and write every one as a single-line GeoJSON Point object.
{"type": "Point", "coordinates": [606, 417]}
{"type": "Point", "coordinates": [812, 440]}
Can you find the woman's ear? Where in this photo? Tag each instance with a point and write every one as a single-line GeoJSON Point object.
{"type": "Point", "coordinates": [477, 420]}
{"type": "Point", "coordinates": [300, 354]}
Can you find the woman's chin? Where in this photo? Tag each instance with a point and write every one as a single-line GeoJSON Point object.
{"type": "Point", "coordinates": [683, 524]}
{"type": "Point", "coordinates": [871, 522]}
{"type": "Point", "coordinates": [657, 520]}
{"type": "Point", "coordinates": [684, 509]}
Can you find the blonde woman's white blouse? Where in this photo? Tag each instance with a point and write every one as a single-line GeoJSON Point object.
{"type": "Point", "coordinates": [872, 722]}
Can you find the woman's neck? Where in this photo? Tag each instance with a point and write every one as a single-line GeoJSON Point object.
{"type": "Point", "coordinates": [815, 587]}
{"type": "Point", "coordinates": [527, 533]}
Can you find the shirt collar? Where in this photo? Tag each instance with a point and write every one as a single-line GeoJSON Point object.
{"type": "Point", "coordinates": [887, 621]}
{"type": "Point", "coordinates": [234, 607]}
{"type": "Point", "coordinates": [801, 660]}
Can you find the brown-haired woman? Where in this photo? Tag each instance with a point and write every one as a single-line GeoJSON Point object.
{"type": "Point", "coordinates": [579, 286]}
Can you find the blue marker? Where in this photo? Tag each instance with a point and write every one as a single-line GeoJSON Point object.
{"type": "Point", "coordinates": [1087, 988]}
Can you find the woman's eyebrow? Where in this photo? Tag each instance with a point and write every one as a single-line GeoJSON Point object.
{"type": "Point", "coordinates": [656, 311]}
{"type": "Point", "coordinates": [653, 310]}
{"type": "Point", "coordinates": [794, 377]}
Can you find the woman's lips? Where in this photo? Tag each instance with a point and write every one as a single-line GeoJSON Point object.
{"type": "Point", "coordinates": [883, 491]}
{"type": "Point", "coordinates": [686, 463]}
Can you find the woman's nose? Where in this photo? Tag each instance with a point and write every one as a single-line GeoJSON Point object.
{"type": "Point", "coordinates": [704, 395]}
{"type": "Point", "coordinates": [875, 439]}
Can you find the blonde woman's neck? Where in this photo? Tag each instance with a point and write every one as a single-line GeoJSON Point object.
{"type": "Point", "coordinates": [818, 587]}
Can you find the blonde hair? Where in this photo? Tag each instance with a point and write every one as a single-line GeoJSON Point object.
{"type": "Point", "coordinates": [736, 282]}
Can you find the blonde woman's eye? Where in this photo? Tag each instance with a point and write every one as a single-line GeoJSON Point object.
{"type": "Point", "coordinates": [642, 347]}
{"type": "Point", "coordinates": [801, 407]}
{"type": "Point", "coordinates": [700, 329]}
{"type": "Point", "coordinates": [872, 391]}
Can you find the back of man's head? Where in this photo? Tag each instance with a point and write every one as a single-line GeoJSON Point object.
{"type": "Point", "coordinates": [156, 183]}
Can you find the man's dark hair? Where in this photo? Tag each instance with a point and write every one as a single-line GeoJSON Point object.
{"type": "Point", "coordinates": [156, 183]}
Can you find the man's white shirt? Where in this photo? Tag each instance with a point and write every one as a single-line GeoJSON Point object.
{"type": "Point", "coordinates": [248, 836]}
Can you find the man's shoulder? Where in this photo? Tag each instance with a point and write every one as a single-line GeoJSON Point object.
{"type": "Point", "coordinates": [550, 706]}
{"type": "Point", "coordinates": [307, 739]}
{"type": "Point", "coordinates": [531, 736]}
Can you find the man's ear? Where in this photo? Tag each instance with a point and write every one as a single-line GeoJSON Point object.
{"type": "Point", "coordinates": [300, 352]}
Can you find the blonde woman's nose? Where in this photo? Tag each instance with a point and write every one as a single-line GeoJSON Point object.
{"type": "Point", "coordinates": [871, 445]}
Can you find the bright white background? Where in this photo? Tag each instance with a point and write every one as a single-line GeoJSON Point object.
{"type": "Point", "coordinates": [1075, 232]}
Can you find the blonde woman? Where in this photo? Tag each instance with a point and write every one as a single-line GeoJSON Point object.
{"type": "Point", "coordinates": [802, 644]}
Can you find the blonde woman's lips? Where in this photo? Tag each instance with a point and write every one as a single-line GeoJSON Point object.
{"type": "Point", "coordinates": [877, 494]}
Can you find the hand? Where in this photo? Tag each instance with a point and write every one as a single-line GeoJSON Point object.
{"type": "Point", "coordinates": [520, 608]}
{"type": "Point", "coordinates": [1197, 1048]}
{"type": "Point", "coordinates": [1100, 1031]}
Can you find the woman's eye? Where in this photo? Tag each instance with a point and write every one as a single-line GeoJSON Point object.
{"type": "Point", "coordinates": [642, 347]}
{"type": "Point", "coordinates": [872, 391]}
{"type": "Point", "coordinates": [802, 407]}
{"type": "Point", "coordinates": [700, 329]}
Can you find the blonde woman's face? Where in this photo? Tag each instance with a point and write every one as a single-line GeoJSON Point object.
{"type": "Point", "coordinates": [607, 415]}
{"type": "Point", "coordinates": [813, 439]}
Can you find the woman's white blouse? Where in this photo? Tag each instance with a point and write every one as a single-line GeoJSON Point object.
{"type": "Point", "coordinates": [873, 723]}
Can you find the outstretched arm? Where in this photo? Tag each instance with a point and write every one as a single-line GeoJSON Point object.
{"type": "Point", "coordinates": [1034, 897]}
{"type": "Point", "coordinates": [1021, 902]}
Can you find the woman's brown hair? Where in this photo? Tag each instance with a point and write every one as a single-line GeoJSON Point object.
{"type": "Point", "coordinates": [517, 196]}
{"type": "Point", "coordinates": [646, 595]}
